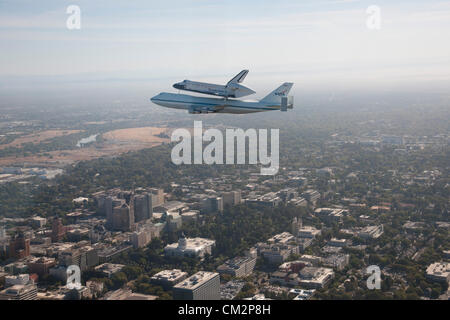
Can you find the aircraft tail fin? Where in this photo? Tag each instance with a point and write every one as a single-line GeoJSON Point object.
{"type": "Point", "coordinates": [239, 77]}
{"type": "Point", "coordinates": [276, 95]}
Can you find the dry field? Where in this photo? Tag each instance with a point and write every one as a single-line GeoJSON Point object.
{"type": "Point", "coordinates": [136, 135]}
{"type": "Point", "coordinates": [115, 143]}
{"type": "Point", "coordinates": [38, 137]}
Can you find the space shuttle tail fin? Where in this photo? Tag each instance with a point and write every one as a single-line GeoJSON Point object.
{"type": "Point", "coordinates": [239, 77]}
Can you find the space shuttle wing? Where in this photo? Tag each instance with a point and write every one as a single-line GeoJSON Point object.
{"type": "Point", "coordinates": [239, 77]}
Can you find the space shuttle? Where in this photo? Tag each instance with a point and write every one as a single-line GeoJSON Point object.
{"type": "Point", "coordinates": [233, 89]}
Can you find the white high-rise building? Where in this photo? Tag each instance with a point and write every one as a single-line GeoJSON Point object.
{"type": "Point", "coordinates": [19, 292]}
{"type": "Point", "coordinates": [296, 225]}
{"type": "Point", "coordinates": [231, 198]}
{"type": "Point", "coordinates": [201, 286]}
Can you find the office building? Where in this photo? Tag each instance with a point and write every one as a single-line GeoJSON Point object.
{"type": "Point", "coordinates": [315, 278]}
{"type": "Point", "coordinates": [302, 294]}
{"type": "Point", "coordinates": [38, 222]}
{"type": "Point", "coordinates": [158, 197]}
{"type": "Point", "coordinates": [212, 205]}
{"type": "Point", "coordinates": [231, 198]}
{"type": "Point", "coordinates": [174, 221]}
{"type": "Point", "coordinates": [308, 232]}
{"type": "Point", "coordinates": [299, 202]}
{"type": "Point", "coordinates": [336, 261]}
{"type": "Point", "coordinates": [144, 234]}
{"type": "Point", "coordinates": [123, 217]}
{"type": "Point", "coordinates": [59, 273]}
{"type": "Point", "coordinates": [110, 253]}
{"type": "Point", "coordinates": [334, 242]}
{"type": "Point", "coordinates": [110, 204]}
{"type": "Point", "coordinates": [270, 200]}
{"type": "Point", "coordinates": [168, 278]}
{"type": "Point", "coordinates": [143, 207]}
{"type": "Point", "coordinates": [19, 246]}
{"type": "Point", "coordinates": [58, 230]}
{"type": "Point", "coordinates": [311, 195]}
{"type": "Point", "coordinates": [189, 216]}
{"type": "Point", "coordinates": [20, 279]}
{"type": "Point", "coordinates": [2, 232]}
{"type": "Point", "coordinates": [296, 225]}
{"type": "Point", "coordinates": [96, 287]}
{"type": "Point", "coordinates": [108, 269]}
{"type": "Point", "coordinates": [41, 266]}
{"type": "Point", "coordinates": [288, 194]}
{"type": "Point", "coordinates": [239, 266]}
{"type": "Point", "coordinates": [127, 294]}
{"type": "Point", "coordinates": [140, 238]}
{"type": "Point", "coordinates": [304, 243]}
{"type": "Point", "coordinates": [201, 286]}
{"type": "Point", "coordinates": [85, 257]}
{"type": "Point", "coordinates": [371, 232]}
{"type": "Point", "coordinates": [439, 272]}
{"type": "Point", "coordinates": [330, 215]}
{"type": "Point", "coordinates": [284, 278]}
{"type": "Point", "coordinates": [170, 206]}
{"type": "Point", "coordinates": [313, 260]}
{"type": "Point", "coordinates": [277, 253]}
{"type": "Point", "coordinates": [19, 292]}
{"type": "Point", "coordinates": [293, 266]}
{"type": "Point", "coordinates": [77, 234]}
{"type": "Point", "coordinates": [284, 237]}
{"type": "Point", "coordinates": [17, 267]}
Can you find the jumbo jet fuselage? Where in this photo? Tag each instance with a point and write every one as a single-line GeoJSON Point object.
{"type": "Point", "coordinates": [209, 105]}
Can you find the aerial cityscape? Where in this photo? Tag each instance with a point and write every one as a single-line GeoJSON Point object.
{"type": "Point", "coordinates": [93, 205]}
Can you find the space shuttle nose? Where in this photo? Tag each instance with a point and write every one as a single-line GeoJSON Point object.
{"type": "Point", "coordinates": [154, 98]}
{"type": "Point", "coordinates": [179, 86]}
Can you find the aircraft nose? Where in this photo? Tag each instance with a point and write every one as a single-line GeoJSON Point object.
{"type": "Point", "coordinates": [154, 98]}
{"type": "Point", "coordinates": [179, 86]}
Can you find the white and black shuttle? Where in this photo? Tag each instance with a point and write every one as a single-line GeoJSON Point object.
{"type": "Point", "coordinates": [233, 89]}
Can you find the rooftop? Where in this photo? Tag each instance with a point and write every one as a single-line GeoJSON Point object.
{"type": "Point", "coordinates": [196, 280]}
{"type": "Point", "coordinates": [169, 275]}
{"type": "Point", "coordinates": [441, 269]}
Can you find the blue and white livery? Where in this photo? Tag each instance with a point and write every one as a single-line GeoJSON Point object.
{"type": "Point", "coordinates": [276, 100]}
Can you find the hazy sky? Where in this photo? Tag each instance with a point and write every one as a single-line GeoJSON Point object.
{"type": "Point", "coordinates": [310, 42]}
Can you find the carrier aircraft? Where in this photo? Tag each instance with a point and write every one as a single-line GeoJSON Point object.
{"type": "Point", "coordinates": [276, 100]}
